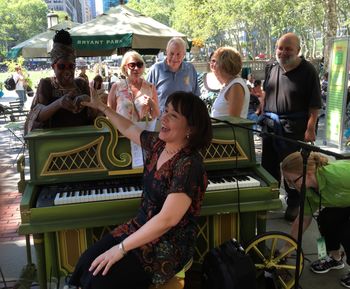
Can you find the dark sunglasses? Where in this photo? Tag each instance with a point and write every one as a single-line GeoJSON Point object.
{"type": "Point", "coordinates": [63, 66]}
{"type": "Point", "coordinates": [132, 65]}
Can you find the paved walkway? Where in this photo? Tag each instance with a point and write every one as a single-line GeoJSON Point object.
{"type": "Point", "coordinates": [10, 148]}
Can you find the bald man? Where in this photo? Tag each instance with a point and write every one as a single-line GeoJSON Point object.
{"type": "Point", "coordinates": [292, 102]}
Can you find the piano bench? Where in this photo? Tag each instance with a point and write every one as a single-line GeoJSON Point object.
{"type": "Point", "coordinates": [178, 281]}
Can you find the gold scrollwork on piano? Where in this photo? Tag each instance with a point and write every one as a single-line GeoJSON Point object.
{"type": "Point", "coordinates": [80, 160]}
{"type": "Point", "coordinates": [223, 151]}
{"type": "Point", "coordinates": [124, 159]}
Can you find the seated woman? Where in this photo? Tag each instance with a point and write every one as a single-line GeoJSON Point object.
{"type": "Point", "coordinates": [234, 96]}
{"type": "Point", "coordinates": [327, 190]}
{"type": "Point", "coordinates": [57, 100]}
{"type": "Point", "coordinates": [132, 96]}
{"type": "Point", "coordinates": [156, 244]}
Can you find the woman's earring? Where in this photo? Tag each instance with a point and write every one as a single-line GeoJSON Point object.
{"type": "Point", "coordinates": [187, 135]}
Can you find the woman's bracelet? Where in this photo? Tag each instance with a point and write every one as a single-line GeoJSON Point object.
{"type": "Point", "coordinates": [122, 249]}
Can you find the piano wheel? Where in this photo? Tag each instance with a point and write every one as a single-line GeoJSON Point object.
{"type": "Point", "coordinates": [270, 262]}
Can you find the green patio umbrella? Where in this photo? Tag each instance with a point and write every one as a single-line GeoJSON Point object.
{"type": "Point", "coordinates": [119, 29]}
{"type": "Point", "coordinates": [37, 46]}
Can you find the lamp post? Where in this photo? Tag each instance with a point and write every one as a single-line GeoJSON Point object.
{"type": "Point", "coordinates": [52, 19]}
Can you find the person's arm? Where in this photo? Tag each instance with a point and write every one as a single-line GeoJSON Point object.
{"type": "Point", "coordinates": [295, 226]}
{"type": "Point", "coordinates": [235, 98]}
{"type": "Point", "coordinates": [112, 100]}
{"type": "Point", "coordinates": [310, 133]}
{"type": "Point", "coordinates": [287, 249]}
{"type": "Point", "coordinates": [124, 125]}
{"type": "Point", "coordinates": [174, 208]}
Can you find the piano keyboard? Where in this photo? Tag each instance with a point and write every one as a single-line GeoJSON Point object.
{"type": "Point", "coordinates": [99, 191]}
{"type": "Point", "coordinates": [94, 195]}
{"type": "Point", "coordinates": [230, 182]}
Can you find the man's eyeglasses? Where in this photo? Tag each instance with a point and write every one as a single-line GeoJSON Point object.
{"type": "Point", "coordinates": [132, 65]}
{"type": "Point", "coordinates": [291, 183]}
{"type": "Point", "coordinates": [63, 66]}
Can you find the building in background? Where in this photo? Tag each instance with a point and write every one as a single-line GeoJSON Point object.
{"type": "Point", "coordinates": [107, 4]}
{"type": "Point", "coordinates": [78, 10]}
{"type": "Point", "coordinates": [87, 11]}
{"type": "Point", "coordinates": [92, 4]}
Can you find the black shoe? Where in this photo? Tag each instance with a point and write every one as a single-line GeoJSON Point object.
{"type": "Point", "coordinates": [326, 264]}
{"type": "Point", "coordinates": [291, 213]}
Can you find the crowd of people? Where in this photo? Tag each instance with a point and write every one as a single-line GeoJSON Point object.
{"type": "Point", "coordinates": [152, 247]}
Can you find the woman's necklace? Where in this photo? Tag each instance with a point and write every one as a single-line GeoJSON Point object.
{"type": "Point", "coordinates": [172, 152]}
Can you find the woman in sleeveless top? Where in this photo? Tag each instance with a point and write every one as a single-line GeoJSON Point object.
{"type": "Point", "coordinates": [233, 98]}
{"type": "Point", "coordinates": [132, 96]}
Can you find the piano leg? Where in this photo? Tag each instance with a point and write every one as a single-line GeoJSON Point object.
{"type": "Point", "coordinates": [261, 222]}
{"type": "Point", "coordinates": [247, 227]}
{"type": "Point", "coordinates": [51, 260]}
{"type": "Point", "coordinates": [40, 257]}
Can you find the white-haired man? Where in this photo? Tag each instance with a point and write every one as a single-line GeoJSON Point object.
{"type": "Point", "coordinates": [173, 74]}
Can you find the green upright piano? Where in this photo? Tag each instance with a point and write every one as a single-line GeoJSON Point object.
{"type": "Point", "coordinates": [82, 185]}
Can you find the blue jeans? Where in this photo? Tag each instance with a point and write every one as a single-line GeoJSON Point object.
{"type": "Point", "coordinates": [22, 96]}
{"type": "Point", "coordinates": [254, 117]}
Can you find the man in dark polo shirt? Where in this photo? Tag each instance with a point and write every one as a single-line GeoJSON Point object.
{"type": "Point", "coordinates": [292, 102]}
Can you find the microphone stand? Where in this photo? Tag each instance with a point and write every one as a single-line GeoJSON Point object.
{"type": "Point", "coordinates": [305, 152]}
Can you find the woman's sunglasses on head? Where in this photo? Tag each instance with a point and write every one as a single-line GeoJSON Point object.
{"type": "Point", "coordinates": [63, 66]}
{"type": "Point", "coordinates": [133, 65]}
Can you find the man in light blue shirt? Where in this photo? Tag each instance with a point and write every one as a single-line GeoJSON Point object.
{"type": "Point", "coordinates": [173, 74]}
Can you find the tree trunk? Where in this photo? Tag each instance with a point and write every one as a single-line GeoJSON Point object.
{"type": "Point", "coordinates": [330, 10]}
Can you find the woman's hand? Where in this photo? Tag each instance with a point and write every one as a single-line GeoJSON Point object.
{"type": "Point", "coordinates": [106, 260]}
{"type": "Point", "coordinates": [66, 102]}
{"type": "Point", "coordinates": [145, 101]}
{"type": "Point", "coordinates": [95, 101]}
{"type": "Point", "coordinates": [78, 100]}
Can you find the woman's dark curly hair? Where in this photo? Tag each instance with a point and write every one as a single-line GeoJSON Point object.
{"type": "Point", "coordinates": [63, 37]}
{"type": "Point", "coordinates": [196, 114]}
{"type": "Point", "coordinates": [62, 47]}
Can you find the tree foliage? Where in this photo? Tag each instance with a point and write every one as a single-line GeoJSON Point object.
{"type": "Point", "coordinates": [20, 20]}
{"type": "Point", "coordinates": [253, 26]}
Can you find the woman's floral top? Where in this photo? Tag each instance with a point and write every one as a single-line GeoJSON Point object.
{"type": "Point", "coordinates": [183, 173]}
